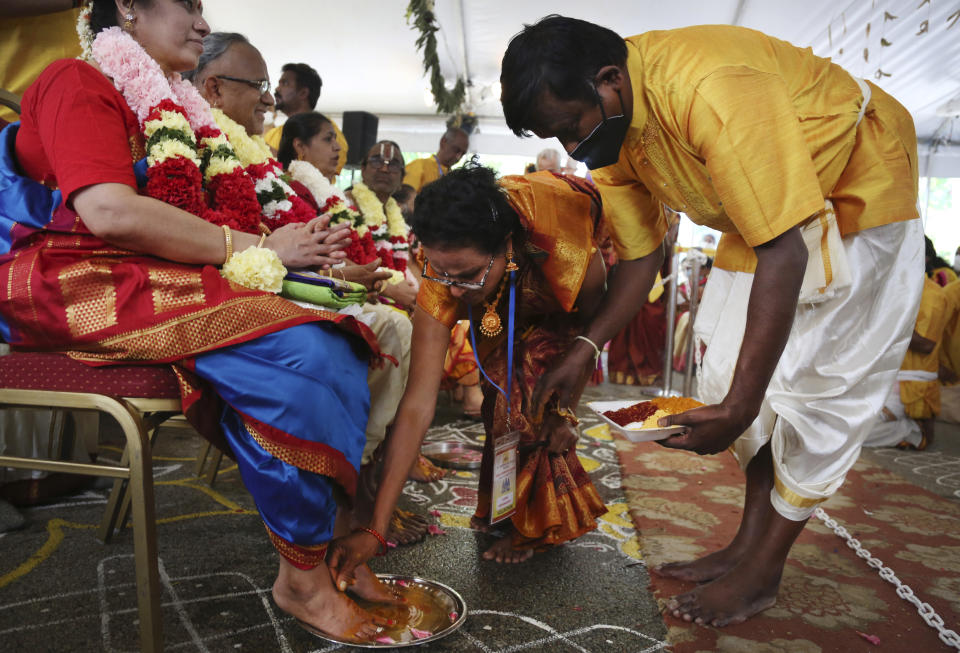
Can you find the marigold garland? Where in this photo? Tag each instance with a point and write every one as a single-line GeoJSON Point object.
{"type": "Point", "coordinates": [388, 228]}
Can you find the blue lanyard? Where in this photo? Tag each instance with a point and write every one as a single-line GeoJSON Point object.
{"type": "Point", "coordinates": [512, 304]}
{"type": "Point", "coordinates": [439, 167]}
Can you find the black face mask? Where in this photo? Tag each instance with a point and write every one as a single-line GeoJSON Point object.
{"type": "Point", "coordinates": [602, 146]}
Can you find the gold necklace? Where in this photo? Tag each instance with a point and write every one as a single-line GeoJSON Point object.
{"type": "Point", "coordinates": [490, 324]}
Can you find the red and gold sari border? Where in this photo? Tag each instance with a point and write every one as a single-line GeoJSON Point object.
{"type": "Point", "coordinates": [301, 557]}
{"type": "Point", "coordinates": [313, 457]}
{"type": "Point", "coordinates": [236, 320]}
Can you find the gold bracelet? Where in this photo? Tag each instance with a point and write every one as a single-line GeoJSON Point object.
{"type": "Point", "coordinates": [568, 415]}
{"type": "Point", "coordinates": [263, 237]}
{"type": "Point", "coordinates": [228, 243]}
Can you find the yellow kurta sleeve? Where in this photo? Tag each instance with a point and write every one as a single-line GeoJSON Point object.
{"type": "Point", "coordinates": [931, 319]}
{"type": "Point", "coordinates": [636, 220]}
{"type": "Point", "coordinates": [273, 136]}
{"type": "Point", "coordinates": [414, 174]}
{"type": "Point", "coordinates": [744, 125]}
{"type": "Point", "coordinates": [950, 341]}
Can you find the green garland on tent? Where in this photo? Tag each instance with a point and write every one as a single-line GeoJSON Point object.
{"type": "Point", "coordinates": [447, 101]}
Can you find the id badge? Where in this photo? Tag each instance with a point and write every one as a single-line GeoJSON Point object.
{"type": "Point", "coordinates": [503, 498]}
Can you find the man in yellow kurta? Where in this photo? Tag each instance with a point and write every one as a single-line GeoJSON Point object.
{"type": "Point", "coordinates": [453, 145]}
{"type": "Point", "coordinates": [908, 414]}
{"type": "Point", "coordinates": [812, 177]}
{"type": "Point", "coordinates": [297, 92]}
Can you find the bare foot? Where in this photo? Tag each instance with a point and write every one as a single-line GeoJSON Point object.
{"type": "Point", "coordinates": [310, 597]}
{"type": "Point", "coordinates": [369, 587]}
{"type": "Point", "coordinates": [702, 569]}
{"type": "Point", "coordinates": [406, 528]}
{"type": "Point", "coordinates": [503, 551]}
{"type": "Point", "coordinates": [478, 524]}
{"type": "Point", "coordinates": [424, 471]}
{"type": "Point", "coordinates": [730, 599]}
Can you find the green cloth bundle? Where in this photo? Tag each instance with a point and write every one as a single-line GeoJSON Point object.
{"type": "Point", "coordinates": [322, 291]}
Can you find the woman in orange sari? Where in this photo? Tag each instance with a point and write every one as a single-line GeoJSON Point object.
{"type": "Point", "coordinates": [483, 242]}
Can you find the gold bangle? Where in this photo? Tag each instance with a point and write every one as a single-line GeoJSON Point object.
{"type": "Point", "coordinates": [568, 415]}
{"type": "Point", "coordinates": [263, 237]}
{"type": "Point", "coordinates": [227, 242]}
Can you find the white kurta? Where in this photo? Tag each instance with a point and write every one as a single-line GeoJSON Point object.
{"type": "Point", "coordinates": [842, 357]}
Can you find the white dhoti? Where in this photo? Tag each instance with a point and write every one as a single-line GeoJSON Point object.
{"type": "Point", "coordinates": [838, 365]}
{"type": "Point", "coordinates": [394, 330]}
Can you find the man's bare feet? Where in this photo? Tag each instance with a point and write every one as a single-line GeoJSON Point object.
{"type": "Point", "coordinates": [503, 551]}
{"type": "Point", "coordinates": [310, 597]}
{"type": "Point", "coordinates": [702, 569]}
{"type": "Point", "coordinates": [424, 471]}
{"type": "Point", "coordinates": [406, 528]}
{"type": "Point", "coordinates": [730, 599]}
{"type": "Point", "coordinates": [369, 587]}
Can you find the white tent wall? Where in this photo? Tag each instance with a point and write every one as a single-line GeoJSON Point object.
{"type": "Point", "coordinates": [366, 53]}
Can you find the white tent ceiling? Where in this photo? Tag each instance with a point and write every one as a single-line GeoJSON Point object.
{"type": "Point", "coordinates": [365, 52]}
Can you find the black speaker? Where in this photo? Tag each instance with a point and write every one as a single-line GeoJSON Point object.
{"type": "Point", "coordinates": [360, 130]}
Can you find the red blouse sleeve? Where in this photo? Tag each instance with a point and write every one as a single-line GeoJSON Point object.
{"type": "Point", "coordinates": [76, 129]}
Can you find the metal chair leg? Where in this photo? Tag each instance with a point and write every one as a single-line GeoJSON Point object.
{"type": "Point", "coordinates": [202, 459]}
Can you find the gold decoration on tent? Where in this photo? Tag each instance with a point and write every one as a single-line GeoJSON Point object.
{"type": "Point", "coordinates": [924, 27]}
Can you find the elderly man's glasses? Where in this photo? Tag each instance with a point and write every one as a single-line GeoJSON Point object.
{"type": "Point", "coordinates": [262, 85]}
{"type": "Point", "coordinates": [464, 285]}
{"type": "Point", "coordinates": [393, 165]}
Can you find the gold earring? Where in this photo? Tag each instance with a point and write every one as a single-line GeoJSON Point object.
{"type": "Point", "coordinates": [128, 22]}
{"type": "Point", "coordinates": [511, 266]}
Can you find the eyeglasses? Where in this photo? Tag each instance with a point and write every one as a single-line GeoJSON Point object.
{"type": "Point", "coordinates": [262, 85]}
{"type": "Point", "coordinates": [377, 161]}
{"type": "Point", "coordinates": [465, 285]}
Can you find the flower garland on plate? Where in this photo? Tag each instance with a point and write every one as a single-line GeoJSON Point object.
{"type": "Point", "coordinates": [280, 203]}
{"type": "Point", "coordinates": [191, 164]}
{"type": "Point", "coordinates": [389, 229]}
{"type": "Point", "coordinates": [333, 202]}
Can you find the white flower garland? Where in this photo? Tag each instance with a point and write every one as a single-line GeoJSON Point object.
{"type": "Point", "coordinates": [318, 185]}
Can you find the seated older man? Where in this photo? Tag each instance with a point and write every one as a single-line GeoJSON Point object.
{"type": "Point", "coordinates": [232, 76]}
{"type": "Point", "coordinates": [453, 145]}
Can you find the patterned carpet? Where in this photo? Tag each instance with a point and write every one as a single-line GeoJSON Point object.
{"type": "Point", "coordinates": [830, 600]}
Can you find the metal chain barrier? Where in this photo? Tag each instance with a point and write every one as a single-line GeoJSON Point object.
{"type": "Point", "coordinates": [925, 610]}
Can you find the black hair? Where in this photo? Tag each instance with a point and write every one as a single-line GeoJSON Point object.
{"type": "Point", "coordinates": [307, 78]}
{"type": "Point", "coordinates": [103, 13]}
{"type": "Point", "coordinates": [558, 54]}
{"type": "Point", "coordinates": [303, 126]}
{"type": "Point", "coordinates": [403, 167]}
{"type": "Point", "coordinates": [933, 259]}
{"type": "Point", "coordinates": [466, 208]}
{"type": "Point", "coordinates": [404, 193]}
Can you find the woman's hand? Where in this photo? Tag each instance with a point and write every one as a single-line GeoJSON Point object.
{"type": "Point", "coordinates": [346, 553]}
{"type": "Point", "coordinates": [307, 246]}
{"type": "Point", "coordinates": [559, 433]}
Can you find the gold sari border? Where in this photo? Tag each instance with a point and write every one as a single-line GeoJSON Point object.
{"type": "Point", "coordinates": [301, 557]}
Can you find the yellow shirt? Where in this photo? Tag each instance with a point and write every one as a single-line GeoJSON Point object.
{"type": "Point", "coordinates": [748, 134]}
{"type": "Point", "coordinates": [30, 44]}
{"type": "Point", "coordinates": [421, 172]}
{"type": "Point", "coordinates": [931, 319]}
{"type": "Point", "coordinates": [273, 135]}
{"type": "Point", "coordinates": [950, 343]}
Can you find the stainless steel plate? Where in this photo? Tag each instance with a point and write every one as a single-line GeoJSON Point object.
{"type": "Point", "coordinates": [431, 606]}
{"type": "Point", "coordinates": [454, 455]}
